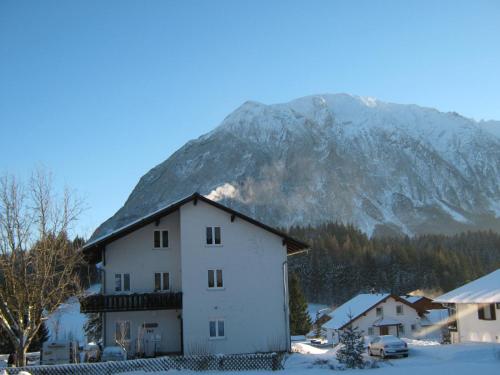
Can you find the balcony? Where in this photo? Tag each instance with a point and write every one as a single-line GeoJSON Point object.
{"type": "Point", "coordinates": [130, 302]}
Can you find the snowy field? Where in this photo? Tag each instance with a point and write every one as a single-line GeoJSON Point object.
{"type": "Point", "coordinates": [426, 357]}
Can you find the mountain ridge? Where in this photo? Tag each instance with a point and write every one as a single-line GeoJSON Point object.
{"type": "Point", "coordinates": [387, 168]}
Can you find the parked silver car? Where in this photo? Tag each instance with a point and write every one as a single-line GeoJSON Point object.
{"type": "Point", "coordinates": [388, 345]}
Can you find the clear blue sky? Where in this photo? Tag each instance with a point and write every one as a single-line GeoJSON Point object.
{"type": "Point", "coordinates": [101, 91]}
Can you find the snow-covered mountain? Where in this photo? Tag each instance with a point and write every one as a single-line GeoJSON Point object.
{"type": "Point", "coordinates": [387, 168]}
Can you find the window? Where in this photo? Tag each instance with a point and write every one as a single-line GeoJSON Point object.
{"type": "Point", "coordinates": [122, 282]}
{"type": "Point", "coordinates": [486, 311]}
{"type": "Point", "coordinates": [164, 238]}
{"type": "Point", "coordinates": [213, 236]}
{"type": "Point", "coordinates": [215, 279]}
{"type": "Point", "coordinates": [413, 327]}
{"type": "Point", "coordinates": [216, 328]}
{"type": "Point", "coordinates": [162, 281]}
{"type": "Point", "coordinates": [370, 331]}
{"type": "Point", "coordinates": [498, 305]}
{"type": "Point", "coordinates": [160, 239]}
{"type": "Point", "coordinates": [380, 311]}
{"type": "Point", "coordinates": [399, 309]}
{"type": "Point", "coordinates": [122, 331]}
{"type": "Point", "coordinates": [118, 282]}
{"type": "Point", "coordinates": [126, 282]}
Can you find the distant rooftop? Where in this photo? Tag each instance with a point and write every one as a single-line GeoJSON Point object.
{"type": "Point", "coordinates": [486, 289]}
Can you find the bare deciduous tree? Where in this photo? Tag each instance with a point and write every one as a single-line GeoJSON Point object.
{"type": "Point", "coordinates": [38, 265]}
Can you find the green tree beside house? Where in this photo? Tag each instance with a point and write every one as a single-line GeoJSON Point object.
{"type": "Point", "coordinates": [300, 322]}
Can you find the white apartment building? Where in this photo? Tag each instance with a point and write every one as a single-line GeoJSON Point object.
{"type": "Point", "coordinates": [195, 277]}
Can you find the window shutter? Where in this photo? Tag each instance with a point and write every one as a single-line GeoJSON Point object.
{"type": "Point", "coordinates": [493, 313]}
{"type": "Point", "coordinates": [156, 238]}
{"type": "Point", "coordinates": [164, 238]}
{"type": "Point", "coordinates": [209, 236]}
{"type": "Point", "coordinates": [480, 312]}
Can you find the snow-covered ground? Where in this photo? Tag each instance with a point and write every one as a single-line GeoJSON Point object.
{"type": "Point", "coordinates": [426, 357]}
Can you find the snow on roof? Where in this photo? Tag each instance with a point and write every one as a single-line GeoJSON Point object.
{"type": "Point", "coordinates": [411, 299]}
{"type": "Point", "coordinates": [486, 289]}
{"type": "Point", "coordinates": [353, 308]}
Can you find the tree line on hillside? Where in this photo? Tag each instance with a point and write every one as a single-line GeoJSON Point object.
{"type": "Point", "coordinates": [343, 261]}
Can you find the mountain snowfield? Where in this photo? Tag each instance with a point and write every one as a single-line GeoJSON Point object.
{"type": "Point", "coordinates": [387, 168]}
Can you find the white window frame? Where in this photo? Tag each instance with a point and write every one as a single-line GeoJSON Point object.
{"type": "Point", "coordinates": [399, 307]}
{"type": "Point", "coordinates": [215, 271]}
{"type": "Point", "coordinates": [217, 322]}
{"type": "Point", "coordinates": [122, 282]}
{"type": "Point", "coordinates": [161, 231]}
{"type": "Point", "coordinates": [162, 273]}
{"type": "Point", "coordinates": [212, 229]}
{"type": "Point", "coordinates": [371, 331]}
{"type": "Point", "coordinates": [381, 311]}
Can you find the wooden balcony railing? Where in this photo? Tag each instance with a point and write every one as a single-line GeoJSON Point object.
{"type": "Point", "coordinates": [130, 302]}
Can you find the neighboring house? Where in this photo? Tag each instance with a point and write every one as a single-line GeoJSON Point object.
{"type": "Point", "coordinates": [434, 324]}
{"type": "Point", "coordinates": [476, 309]}
{"type": "Point", "coordinates": [375, 314]}
{"type": "Point", "coordinates": [319, 315]}
{"type": "Point", "coordinates": [195, 278]}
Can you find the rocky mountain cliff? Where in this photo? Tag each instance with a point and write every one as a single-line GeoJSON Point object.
{"type": "Point", "coordinates": [387, 168]}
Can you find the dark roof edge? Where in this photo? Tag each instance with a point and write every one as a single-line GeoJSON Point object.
{"type": "Point", "coordinates": [293, 245]}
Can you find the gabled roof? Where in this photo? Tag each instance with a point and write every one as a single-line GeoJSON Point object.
{"type": "Point", "coordinates": [358, 306]}
{"type": "Point", "coordinates": [412, 299]}
{"type": "Point", "coordinates": [92, 248]}
{"type": "Point", "coordinates": [486, 289]}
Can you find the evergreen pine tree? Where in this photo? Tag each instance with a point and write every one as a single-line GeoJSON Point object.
{"type": "Point", "coordinates": [93, 327]}
{"type": "Point", "coordinates": [300, 321]}
{"type": "Point", "coordinates": [352, 348]}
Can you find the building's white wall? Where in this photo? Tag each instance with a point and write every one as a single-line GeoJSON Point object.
{"type": "Point", "coordinates": [471, 328]}
{"type": "Point", "coordinates": [169, 328]}
{"type": "Point", "coordinates": [135, 254]}
{"type": "Point", "coordinates": [409, 317]}
{"type": "Point", "coordinates": [252, 302]}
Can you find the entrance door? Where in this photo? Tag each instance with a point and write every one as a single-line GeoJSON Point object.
{"type": "Point", "coordinates": [150, 342]}
{"type": "Point", "coordinates": [150, 339]}
{"type": "Point", "coordinates": [384, 330]}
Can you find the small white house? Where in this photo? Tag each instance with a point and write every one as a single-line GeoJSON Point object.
{"type": "Point", "coordinates": [476, 308]}
{"type": "Point", "coordinates": [195, 277]}
{"type": "Point", "coordinates": [375, 314]}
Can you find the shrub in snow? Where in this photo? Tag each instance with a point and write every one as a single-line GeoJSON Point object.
{"type": "Point", "coordinates": [351, 348]}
